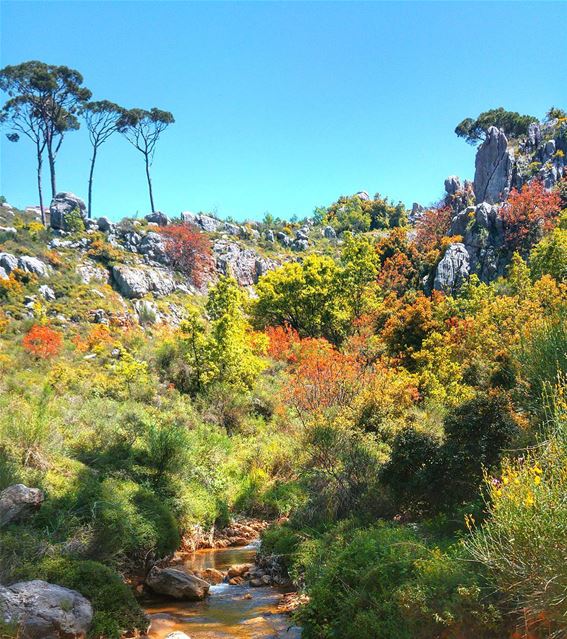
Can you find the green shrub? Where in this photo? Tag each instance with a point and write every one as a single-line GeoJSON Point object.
{"type": "Point", "coordinates": [115, 608]}
{"type": "Point", "coordinates": [74, 221]}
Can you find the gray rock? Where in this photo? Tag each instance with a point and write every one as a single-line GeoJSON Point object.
{"type": "Point", "coordinates": [17, 501]}
{"type": "Point", "coordinates": [416, 212]}
{"type": "Point", "coordinates": [534, 134]}
{"type": "Point", "coordinates": [453, 185]}
{"type": "Point", "coordinates": [10, 230]}
{"type": "Point", "coordinates": [147, 312]}
{"type": "Point", "coordinates": [105, 225]}
{"type": "Point", "coordinates": [189, 218]}
{"type": "Point", "coordinates": [493, 168]}
{"type": "Point", "coordinates": [47, 293]}
{"type": "Point", "coordinates": [363, 195]}
{"type": "Point", "coordinates": [177, 635]}
{"type": "Point", "coordinates": [270, 236]}
{"type": "Point", "coordinates": [177, 584]}
{"type": "Point", "coordinates": [3, 274]}
{"type": "Point", "coordinates": [33, 265]}
{"type": "Point", "coordinates": [61, 205]}
{"type": "Point", "coordinates": [329, 232]}
{"type": "Point", "coordinates": [453, 269]}
{"type": "Point", "coordinates": [89, 272]}
{"type": "Point", "coordinates": [152, 246]}
{"type": "Point", "coordinates": [8, 262]}
{"type": "Point", "coordinates": [302, 234]}
{"type": "Point", "coordinates": [232, 229]}
{"type": "Point", "coordinates": [99, 317]}
{"type": "Point", "coordinates": [204, 222]}
{"type": "Point", "coordinates": [283, 239]}
{"type": "Point", "coordinates": [244, 264]}
{"type": "Point", "coordinates": [136, 282]}
{"type": "Point", "coordinates": [158, 218]}
{"type": "Point", "coordinates": [41, 610]}
{"type": "Point", "coordinates": [300, 245]}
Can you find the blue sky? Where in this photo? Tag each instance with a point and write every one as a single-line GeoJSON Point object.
{"type": "Point", "coordinates": [282, 107]}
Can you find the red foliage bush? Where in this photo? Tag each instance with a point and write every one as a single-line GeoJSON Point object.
{"type": "Point", "coordinates": [42, 341]}
{"type": "Point", "coordinates": [432, 227]}
{"type": "Point", "coordinates": [281, 339]}
{"type": "Point", "coordinates": [528, 214]}
{"type": "Point", "coordinates": [189, 251]}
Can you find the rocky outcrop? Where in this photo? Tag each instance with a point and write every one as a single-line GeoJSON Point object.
{"type": "Point", "coordinates": [18, 501]}
{"type": "Point", "coordinates": [89, 272]}
{"type": "Point", "coordinates": [27, 263]}
{"type": "Point", "coordinates": [204, 222]}
{"type": "Point", "coordinates": [134, 282]}
{"type": "Point", "coordinates": [177, 584]}
{"type": "Point", "coordinates": [453, 269]}
{"type": "Point", "coordinates": [494, 165]}
{"type": "Point", "coordinates": [61, 206]}
{"type": "Point", "coordinates": [244, 264]}
{"type": "Point", "coordinates": [158, 218]}
{"type": "Point", "coordinates": [40, 610]}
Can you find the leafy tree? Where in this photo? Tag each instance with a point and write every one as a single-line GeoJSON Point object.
{"type": "Point", "coordinates": [512, 123]}
{"type": "Point", "coordinates": [360, 265]}
{"type": "Point", "coordinates": [304, 296]}
{"type": "Point", "coordinates": [103, 118]}
{"type": "Point", "coordinates": [57, 96]}
{"type": "Point", "coordinates": [189, 251]}
{"type": "Point", "coordinates": [549, 256]}
{"type": "Point", "coordinates": [24, 118]}
{"type": "Point", "coordinates": [143, 129]}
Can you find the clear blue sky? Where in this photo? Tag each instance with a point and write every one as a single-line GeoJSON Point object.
{"type": "Point", "coordinates": [282, 107]}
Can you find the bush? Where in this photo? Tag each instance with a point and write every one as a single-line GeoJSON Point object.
{"type": "Point", "coordinates": [384, 582]}
{"type": "Point", "coordinates": [115, 608]}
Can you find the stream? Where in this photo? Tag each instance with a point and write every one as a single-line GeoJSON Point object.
{"type": "Point", "coordinates": [227, 612]}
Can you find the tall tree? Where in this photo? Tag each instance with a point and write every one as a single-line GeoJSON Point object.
{"type": "Point", "coordinates": [103, 118]}
{"type": "Point", "coordinates": [57, 95]}
{"type": "Point", "coordinates": [20, 114]}
{"type": "Point", "coordinates": [143, 129]}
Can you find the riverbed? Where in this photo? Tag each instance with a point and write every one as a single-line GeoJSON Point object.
{"type": "Point", "coordinates": [229, 611]}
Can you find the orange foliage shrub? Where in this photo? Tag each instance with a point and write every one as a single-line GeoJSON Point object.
{"type": "Point", "coordinates": [528, 213]}
{"type": "Point", "coordinates": [280, 341]}
{"type": "Point", "coordinates": [322, 376]}
{"type": "Point", "coordinates": [432, 227]}
{"type": "Point", "coordinates": [189, 250]}
{"type": "Point", "coordinates": [42, 341]}
{"type": "Point", "coordinates": [97, 336]}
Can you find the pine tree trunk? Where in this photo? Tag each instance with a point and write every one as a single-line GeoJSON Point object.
{"type": "Point", "coordinates": [150, 184]}
{"type": "Point", "coordinates": [39, 188]}
{"type": "Point", "coordinates": [91, 183]}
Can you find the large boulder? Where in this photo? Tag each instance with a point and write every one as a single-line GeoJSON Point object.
{"type": "Point", "coordinates": [33, 265]}
{"type": "Point", "coordinates": [177, 584]}
{"type": "Point", "coordinates": [133, 282]}
{"type": "Point", "coordinates": [494, 166]}
{"type": "Point", "coordinates": [158, 218]}
{"type": "Point", "coordinates": [453, 269]}
{"type": "Point", "coordinates": [152, 246]}
{"type": "Point", "coordinates": [39, 610]}
{"type": "Point", "coordinates": [204, 222]}
{"type": "Point", "coordinates": [17, 501]}
{"type": "Point", "coordinates": [63, 204]}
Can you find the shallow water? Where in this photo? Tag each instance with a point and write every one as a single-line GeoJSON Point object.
{"type": "Point", "coordinates": [226, 613]}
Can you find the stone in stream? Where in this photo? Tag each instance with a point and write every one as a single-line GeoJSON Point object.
{"type": "Point", "coordinates": [177, 584]}
{"type": "Point", "coordinates": [177, 635]}
{"type": "Point", "coordinates": [239, 570]}
{"type": "Point", "coordinates": [212, 576]}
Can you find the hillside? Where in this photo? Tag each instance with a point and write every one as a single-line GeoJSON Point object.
{"type": "Point", "coordinates": [385, 388]}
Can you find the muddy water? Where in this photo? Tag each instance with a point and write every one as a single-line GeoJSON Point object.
{"type": "Point", "coordinates": [227, 612]}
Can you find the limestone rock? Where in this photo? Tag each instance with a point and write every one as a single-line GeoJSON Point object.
{"type": "Point", "coordinates": [177, 584]}
{"type": "Point", "coordinates": [153, 247]}
{"type": "Point", "coordinates": [89, 272]}
{"type": "Point", "coordinates": [47, 293]}
{"type": "Point", "coordinates": [204, 222]}
{"type": "Point", "coordinates": [212, 576]}
{"type": "Point", "coordinates": [42, 610]}
{"type": "Point", "coordinates": [453, 185]}
{"type": "Point", "coordinates": [17, 501]}
{"type": "Point", "coordinates": [177, 635]}
{"type": "Point", "coordinates": [244, 264]}
{"type": "Point", "coordinates": [158, 218]}
{"type": "Point", "coordinates": [25, 263]}
{"type": "Point", "coordinates": [63, 204]}
{"type": "Point", "coordinates": [329, 232]}
{"type": "Point", "coordinates": [105, 225]}
{"type": "Point", "coordinates": [453, 269]}
{"type": "Point", "coordinates": [135, 282]}
{"type": "Point", "coordinates": [363, 195]}
{"type": "Point", "coordinates": [494, 165]}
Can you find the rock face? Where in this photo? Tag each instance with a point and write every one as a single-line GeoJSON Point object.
{"type": "Point", "coordinates": [494, 165]}
{"type": "Point", "coordinates": [453, 269]}
{"type": "Point", "coordinates": [136, 282]}
{"type": "Point", "coordinates": [45, 611]}
{"type": "Point", "coordinates": [27, 263]}
{"type": "Point", "coordinates": [204, 222]}
{"type": "Point", "coordinates": [245, 265]}
{"type": "Point", "coordinates": [177, 584]}
{"type": "Point", "coordinates": [17, 501]}
{"type": "Point", "coordinates": [61, 205]}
